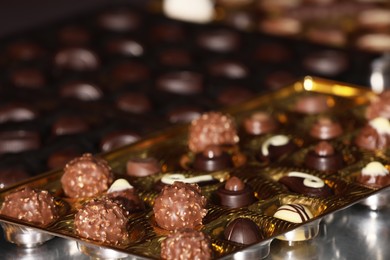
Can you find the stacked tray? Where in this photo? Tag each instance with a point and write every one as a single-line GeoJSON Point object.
{"type": "Point", "coordinates": [106, 78]}
{"type": "Point", "coordinates": [344, 102]}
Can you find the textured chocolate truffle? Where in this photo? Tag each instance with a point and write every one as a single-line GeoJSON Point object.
{"type": "Point", "coordinates": [31, 205]}
{"type": "Point", "coordinates": [312, 104]}
{"type": "Point", "coordinates": [213, 158]}
{"type": "Point", "coordinates": [375, 135]}
{"type": "Point", "coordinates": [102, 220]}
{"type": "Point", "coordinates": [179, 205]}
{"type": "Point", "coordinates": [379, 106]}
{"type": "Point", "coordinates": [259, 123]}
{"type": "Point", "coordinates": [375, 175]}
{"type": "Point", "coordinates": [86, 176]}
{"type": "Point", "coordinates": [325, 128]}
{"type": "Point", "coordinates": [243, 231]}
{"type": "Point", "coordinates": [295, 213]}
{"type": "Point", "coordinates": [234, 194]}
{"type": "Point", "coordinates": [142, 167]}
{"type": "Point", "coordinates": [275, 147]}
{"type": "Point", "coordinates": [324, 157]}
{"type": "Point", "coordinates": [306, 184]}
{"type": "Point", "coordinates": [124, 194]}
{"type": "Point", "coordinates": [186, 244]}
{"type": "Point", "coordinates": [212, 128]}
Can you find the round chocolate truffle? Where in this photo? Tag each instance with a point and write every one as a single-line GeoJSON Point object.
{"type": "Point", "coordinates": [102, 220]}
{"type": "Point", "coordinates": [324, 158]}
{"type": "Point", "coordinates": [312, 104]}
{"type": "Point", "coordinates": [86, 176]}
{"type": "Point", "coordinates": [306, 184]}
{"type": "Point", "coordinates": [375, 135]}
{"type": "Point", "coordinates": [295, 213]}
{"type": "Point", "coordinates": [212, 128]}
{"type": "Point", "coordinates": [325, 128]}
{"type": "Point", "coordinates": [213, 158]}
{"type": "Point", "coordinates": [375, 175]}
{"type": "Point", "coordinates": [142, 167]}
{"type": "Point", "coordinates": [259, 123]}
{"type": "Point", "coordinates": [180, 205]}
{"type": "Point", "coordinates": [275, 147]}
{"type": "Point", "coordinates": [186, 244]}
{"type": "Point", "coordinates": [243, 231]}
{"type": "Point", "coordinates": [31, 205]}
{"type": "Point", "coordinates": [124, 194]}
{"type": "Point", "coordinates": [234, 194]}
{"type": "Point", "coordinates": [379, 106]}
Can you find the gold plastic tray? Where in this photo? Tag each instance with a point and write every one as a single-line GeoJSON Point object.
{"type": "Point", "coordinates": [170, 147]}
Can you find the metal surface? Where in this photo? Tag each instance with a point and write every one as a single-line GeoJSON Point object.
{"type": "Point", "coordinates": [353, 233]}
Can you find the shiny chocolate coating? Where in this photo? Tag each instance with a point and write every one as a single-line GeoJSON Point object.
{"type": "Point", "coordinates": [228, 69]}
{"type": "Point", "coordinates": [234, 194]}
{"type": "Point", "coordinates": [243, 231]}
{"type": "Point", "coordinates": [58, 159]}
{"type": "Point", "coordinates": [179, 205]}
{"type": "Point", "coordinates": [128, 198]}
{"type": "Point", "coordinates": [296, 184]}
{"type": "Point", "coordinates": [77, 59]}
{"type": "Point", "coordinates": [73, 35]}
{"type": "Point", "coordinates": [186, 244]}
{"type": "Point", "coordinates": [276, 151]}
{"type": "Point", "coordinates": [102, 220]}
{"type": "Point", "coordinates": [184, 113]}
{"type": "Point", "coordinates": [126, 47]}
{"type": "Point", "coordinates": [86, 176]}
{"type": "Point", "coordinates": [132, 102]}
{"type": "Point", "coordinates": [19, 141]}
{"type": "Point", "coordinates": [312, 104]}
{"type": "Point", "coordinates": [212, 128]}
{"type": "Point", "coordinates": [181, 82]}
{"type": "Point", "coordinates": [379, 106]}
{"type": "Point", "coordinates": [213, 158]}
{"type": "Point", "coordinates": [118, 139]}
{"type": "Point", "coordinates": [17, 112]}
{"type": "Point", "coordinates": [81, 90]}
{"type": "Point", "coordinates": [324, 157]}
{"type": "Point", "coordinates": [66, 125]}
{"type": "Point", "coordinates": [325, 128]}
{"type": "Point", "coordinates": [119, 20]}
{"type": "Point", "coordinates": [130, 72]}
{"type": "Point", "coordinates": [369, 138]}
{"type": "Point", "coordinates": [31, 205]}
{"type": "Point", "coordinates": [219, 40]}
{"type": "Point", "coordinates": [259, 123]}
{"type": "Point", "coordinates": [142, 167]}
{"type": "Point", "coordinates": [234, 95]}
{"type": "Point", "coordinates": [326, 63]}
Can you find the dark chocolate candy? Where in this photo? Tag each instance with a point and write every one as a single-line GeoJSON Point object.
{"type": "Point", "coordinates": [243, 231]}
{"type": "Point", "coordinates": [73, 35]}
{"type": "Point", "coordinates": [212, 158]}
{"type": "Point", "coordinates": [15, 112]}
{"type": "Point", "coordinates": [32, 78]}
{"type": "Point", "coordinates": [120, 20]}
{"type": "Point", "coordinates": [24, 50]}
{"type": "Point", "coordinates": [184, 113]}
{"type": "Point", "coordinates": [130, 72]}
{"type": "Point", "coordinates": [181, 82]}
{"type": "Point", "coordinates": [126, 47]}
{"type": "Point", "coordinates": [324, 158]}
{"type": "Point", "coordinates": [118, 139]}
{"type": "Point", "coordinates": [142, 167]}
{"type": "Point", "coordinates": [11, 175]}
{"type": "Point", "coordinates": [234, 194]}
{"type": "Point", "coordinates": [77, 59]}
{"type": "Point", "coordinates": [67, 125]}
{"type": "Point", "coordinates": [234, 95]}
{"type": "Point", "coordinates": [17, 141]}
{"type": "Point", "coordinates": [132, 102]}
{"type": "Point", "coordinates": [81, 90]}
{"type": "Point", "coordinates": [219, 40]}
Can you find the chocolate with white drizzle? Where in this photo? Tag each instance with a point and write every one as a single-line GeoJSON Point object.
{"type": "Point", "coordinates": [295, 213]}
{"type": "Point", "coordinates": [375, 135]}
{"type": "Point", "coordinates": [276, 146]}
{"type": "Point", "coordinates": [375, 175]}
{"type": "Point", "coordinates": [124, 194]}
{"type": "Point", "coordinates": [306, 184]}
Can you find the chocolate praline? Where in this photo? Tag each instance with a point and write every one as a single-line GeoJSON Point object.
{"type": "Point", "coordinates": [14, 112]}
{"type": "Point", "coordinates": [180, 205]}
{"type": "Point", "coordinates": [142, 167]}
{"type": "Point", "coordinates": [117, 139]}
{"type": "Point", "coordinates": [31, 205]}
{"type": "Point", "coordinates": [324, 157]}
{"type": "Point", "coordinates": [16, 141]}
{"type": "Point", "coordinates": [259, 123]}
{"type": "Point", "coordinates": [73, 35]}
{"type": "Point", "coordinates": [234, 95]}
{"type": "Point", "coordinates": [181, 82]}
{"type": "Point", "coordinates": [126, 47]}
{"type": "Point", "coordinates": [175, 57]}
{"type": "Point", "coordinates": [58, 159]}
{"type": "Point", "coordinates": [243, 231]}
{"type": "Point", "coordinates": [375, 175]}
{"type": "Point", "coordinates": [234, 194]}
{"type": "Point", "coordinates": [184, 113]}
{"type": "Point", "coordinates": [102, 220]}
{"type": "Point", "coordinates": [312, 104]}
{"type": "Point", "coordinates": [295, 213]}
{"type": "Point", "coordinates": [325, 128]}
{"type": "Point", "coordinates": [66, 125]}
{"type": "Point", "coordinates": [186, 244]}
{"type": "Point", "coordinates": [31, 78]}
{"type": "Point", "coordinates": [375, 135]}
{"type": "Point", "coordinates": [127, 196]}
{"type": "Point", "coordinates": [130, 72]}
{"type": "Point", "coordinates": [276, 147]}
{"type": "Point", "coordinates": [77, 59]}
{"type": "Point", "coordinates": [132, 102]}
{"type": "Point", "coordinates": [86, 176]}
{"type": "Point", "coordinates": [297, 183]}
{"type": "Point", "coordinates": [81, 90]}
{"type": "Point", "coordinates": [213, 158]}
{"type": "Point", "coordinates": [230, 69]}
{"type": "Point", "coordinates": [120, 20]}
{"type": "Point", "coordinates": [24, 51]}
{"type": "Point", "coordinates": [379, 106]}
{"type": "Point", "coordinates": [219, 40]}
{"type": "Point", "coordinates": [327, 63]}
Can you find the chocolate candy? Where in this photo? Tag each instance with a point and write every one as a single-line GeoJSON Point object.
{"type": "Point", "coordinates": [137, 103]}
{"type": "Point", "coordinates": [213, 158]}
{"type": "Point", "coordinates": [259, 123]}
{"type": "Point", "coordinates": [15, 112]}
{"type": "Point", "coordinates": [379, 106]}
{"type": "Point", "coordinates": [295, 213]}
{"type": "Point", "coordinates": [31, 205]}
{"type": "Point", "coordinates": [69, 125]}
{"type": "Point", "coordinates": [324, 158]}
{"type": "Point", "coordinates": [325, 128]}
{"type": "Point", "coordinates": [219, 40]}
{"type": "Point", "coordinates": [312, 104]}
{"type": "Point", "coordinates": [81, 90]}
{"type": "Point", "coordinates": [375, 135]}
{"type": "Point", "coordinates": [118, 139]}
{"type": "Point", "coordinates": [19, 141]}
{"type": "Point", "coordinates": [179, 205]}
{"type": "Point", "coordinates": [86, 176]}
{"type": "Point", "coordinates": [28, 78]}
{"type": "Point", "coordinates": [124, 194]}
{"type": "Point", "coordinates": [234, 194]}
{"type": "Point", "coordinates": [375, 175]}
{"type": "Point", "coordinates": [130, 72]}
{"type": "Point", "coordinates": [11, 175]}
{"type": "Point", "coordinates": [243, 231]}
{"type": "Point", "coordinates": [142, 167]}
{"type": "Point", "coordinates": [326, 63]}
{"type": "Point", "coordinates": [102, 220]}
{"type": "Point", "coordinates": [119, 20]}
{"type": "Point", "coordinates": [275, 147]}
{"type": "Point", "coordinates": [181, 82]}
{"type": "Point", "coordinates": [77, 59]}
{"type": "Point", "coordinates": [186, 243]}
{"type": "Point", "coordinates": [306, 184]}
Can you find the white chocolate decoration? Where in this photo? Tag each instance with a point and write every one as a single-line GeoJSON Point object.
{"type": "Point", "coordinates": [374, 169]}
{"type": "Point", "coordinates": [295, 213]}
{"type": "Point", "coordinates": [171, 178]}
{"type": "Point", "coordinates": [309, 180]}
{"type": "Point", "coordinates": [198, 11]}
{"type": "Point", "coordinates": [119, 185]}
{"type": "Point", "coordinates": [381, 125]}
{"type": "Point", "coordinates": [276, 140]}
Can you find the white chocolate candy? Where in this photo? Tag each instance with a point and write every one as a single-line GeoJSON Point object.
{"type": "Point", "coordinates": [171, 178]}
{"type": "Point", "coordinates": [119, 185]}
{"type": "Point", "coordinates": [309, 180]}
{"type": "Point", "coordinates": [381, 125]}
{"type": "Point", "coordinates": [295, 213]}
{"type": "Point", "coordinates": [276, 140]}
{"type": "Point", "coordinates": [374, 169]}
{"type": "Point", "coordinates": [198, 11]}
